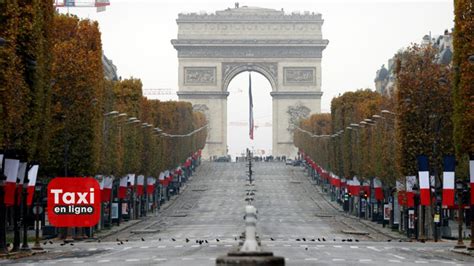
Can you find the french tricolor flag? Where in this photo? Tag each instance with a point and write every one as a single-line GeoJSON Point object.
{"type": "Point", "coordinates": [140, 184]}
{"type": "Point", "coordinates": [378, 189]}
{"type": "Point", "coordinates": [150, 185]}
{"type": "Point", "coordinates": [471, 174]}
{"type": "Point", "coordinates": [424, 179]}
{"type": "Point", "coordinates": [122, 192]}
{"type": "Point", "coordinates": [448, 181]}
{"type": "Point", "coordinates": [410, 199]}
{"type": "Point", "coordinates": [106, 186]}
{"type": "Point", "coordinates": [32, 175]}
{"type": "Point", "coordinates": [162, 179]}
{"type": "Point", "coordinates": [11, 172]}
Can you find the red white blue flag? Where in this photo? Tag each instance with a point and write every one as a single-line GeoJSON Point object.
{"type": "Point", "coordinates": [471, 174]}
{"type": "Point", "coordinates": [424, 180]}
{"type": "Point", "coordinates": [448, 181]}
{"type": "Point", "coordinates": [251, 122]}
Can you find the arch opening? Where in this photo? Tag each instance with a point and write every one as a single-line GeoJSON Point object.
{"type": "Point", "coordinates": [238, 114]}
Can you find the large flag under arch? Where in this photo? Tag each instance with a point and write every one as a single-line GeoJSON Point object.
{"type": "Point", "coordinates": [251, 122]}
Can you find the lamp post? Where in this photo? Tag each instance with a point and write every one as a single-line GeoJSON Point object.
{"type": "Point", "coordinates": [459, 190]}
{"type": "Point", "coordinates": [38, 208]}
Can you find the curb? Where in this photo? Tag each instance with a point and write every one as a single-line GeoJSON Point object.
{"type": "Point", "coordinates": [462, 251]}
{"type": "Point", "coordinates": [19, 255]}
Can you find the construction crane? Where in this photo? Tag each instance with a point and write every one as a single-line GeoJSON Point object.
{"type": "Point", "coordinates": [100, 5]}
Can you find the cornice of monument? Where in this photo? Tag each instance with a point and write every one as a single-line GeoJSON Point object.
{"type": "Point", "coordinates": [246, 14]}
{"type": "Point", "coordinates": [223, 42]}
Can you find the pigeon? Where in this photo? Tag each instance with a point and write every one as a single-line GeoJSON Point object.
{"type": "Point", "coordinates": [313, 239]}
{"type": "Point", "coordinates": [187, 240]}
{"type": "Point", "coordinates": [197, 241]}
{"type": "Point", "coordinates": [271, 238]}
{"type": "Point", "coordinates": [143, 239]}
{"type": "Point", "coordinates": [217, 239]}
{"type": "Point", "coordinates": [45, 242]}
{"type": "Point", "coordinates": [319, 239]}
{"type": "Point", "coordinates": [159, 239]}
{"type": "Point", "coordinates": [72, 244]}
{"type": "Point", "coordinates": [343, 240]}
{"type": "Point", "coordinates": [121, 242]}
{"type": "Point", "coordinates": [357, 240]}
{"type": "Point", "coordinates": [173, 239]}
{"type": "Point", "coordinates": [206, 241]}
{"type": "Point", "coordinates": [62, 244]}
{"type": "Point", "coordinates": [98, 240]}
{"type": "Point", "coordinates": [306, 248]}
{"type": "Point", "coordinates": [349, 240]}
{"type": "Point", "coordinates": [126, 240]}
{"type": "Point", "coordinates": [298, 239]}
{"type": "Point", "coordinates": [304, 239]}
{"type": "Point", "coordinates": [51, 242]}
{"type": "Point", "coordinates": [324, 239]}
{"type": "Point", "coordinates": [235, 238]}
{"type": "Point", "coordinates": [118, 244]}
{"type": "Point", "coordinates": [390, 240]}
{"type": "Point", "coordinates": [334, 239]}
{"type": "Point", "coordinates": [399, 240]}
{"type": "Point", "coordinates": [118, 240]}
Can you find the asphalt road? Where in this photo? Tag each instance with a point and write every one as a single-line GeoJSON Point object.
{"type": "Point", "coordinates": [294, 221]}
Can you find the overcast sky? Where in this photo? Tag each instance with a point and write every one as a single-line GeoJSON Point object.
{"type": "Point", "coordinates": [362, 36]}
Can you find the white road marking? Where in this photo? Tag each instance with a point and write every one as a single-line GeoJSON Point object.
{"type": "Point", "coordinates": [338, 259]}
{"type": "Point", "coordinates": [103, 261]}
{"type": "Point", "coordinates": [213, 259]}
{"type": "Point", "coordinates": [421, 261]}
{"type": "Point", "coordinates": [160, 259]}
{"type": "Point", "coordinates": [187, 259]}
{"type": "Point", "coordinates": [365, 260]}
{"type": "Point", "coordinates": [132, 260]}
{"type": "Point", "coordinates": [398, 257]}
{"type": "Point", "coordinates": [286, 245]}
{"type": "Point", "coordinates": [195, 246]}
{"type": "Point", "coordinates": [337, 246]}
{"type": "Point", "coordinates": [92, 249]}
{"type": "Point", "coordinates": [227, 245]}
{"type": "Point", "coordinates": [395, 261]}
{"type": "Point", "coordinates": [78, 261]}
{"type": "Point", "coordinates": [374, 248]}
{"type": "Point", "coordinates": [354, 246]}
{"type": "Point", "coordinates": [161, 246]}
{"type": "Point", "coordinates": [178, 246]}
{"type": "Point", "coordinates": [312, 259]}
{"type": "Point", "coordinates": [212, 246]}
{"type": "Point", "coordinates": [144, 247]}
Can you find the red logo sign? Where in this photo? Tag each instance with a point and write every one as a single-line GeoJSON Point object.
{"type": "Point", "coordinates": [73, 202]}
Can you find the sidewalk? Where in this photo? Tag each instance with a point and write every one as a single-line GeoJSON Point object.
{"type": "Point", "coordinates": [373, 225]}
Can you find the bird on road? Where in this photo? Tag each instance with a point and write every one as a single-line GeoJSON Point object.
{"type": "Point", "coordinates": [72, 244]}
{"type": "Point", "coordinates": [304, 239]}
{"type": "Point", "coordinates": [51, 242]}
{"type": "Point", "coordinates": [324, 239]}
{"type": "Point", "coordinates": [298, 239]}
{"type": "Point", "coordinates": [187, 240]}
{"type": "Point", "coordinates": [117, 240]}
{"type": "Point", "coordinates": [271, 238]}
{"type": "Point", "coordinates": [159, 239]}
{"type": "Point", "coordinates": [357, 240]}
{"type": "Point", "coordinates": [389, 240]}
{"type": "Point", "coordinates": [306, 248]}
{"type": "Point", "coordinates": [343, 240]}
{"type": "Point", "coordinates": [98, 240]}
{"type": "Point", "coordinates": [143, 239]}
{"type": "Point", "coordinates": [206, 241]}
{"type": "Point", "coordinates": [45, 242]}
{"type": "Point", "coordinates": [217, 239]}
{"type": "Point", "coordinates": [173, 239]}
{"type": "Point", "coordinates": [235, 238]}
{"type": "Point", "coordinates": [121, 242]}
{"type": "Point", "coordinates": [319, 239]}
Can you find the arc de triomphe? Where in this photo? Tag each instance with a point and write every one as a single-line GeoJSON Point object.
{"type": "Point", "coordinates": [285, 48]}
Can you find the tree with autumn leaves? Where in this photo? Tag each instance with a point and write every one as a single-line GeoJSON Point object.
{"type": "Point", "coordinates": [55, 97]}
{"type": "Point", "coordinates": [463, 83]}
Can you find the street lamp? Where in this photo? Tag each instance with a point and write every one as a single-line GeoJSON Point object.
{"type": "Point", "coordinates": [111, 113]}
{"type": "Point", "coordinates": [387, 112]}
{"type": "Point", "coordinates": [37, 211]}
{"type": "Point", "coordinates": [459, 190]}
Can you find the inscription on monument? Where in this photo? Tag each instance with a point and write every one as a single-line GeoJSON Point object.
{"type": "Point", "coordinates": [299, 75]}
{"type": "Point", "coordinates": [199, 75]}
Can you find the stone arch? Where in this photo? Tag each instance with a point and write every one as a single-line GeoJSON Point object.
{"type": "Point", "coordinates": [285, 48]}
{"type": "Point", "coordinates": [231, 70]}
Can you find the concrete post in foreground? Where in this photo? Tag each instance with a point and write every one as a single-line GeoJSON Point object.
{"type": "Point", "coordinates": [250, 254]}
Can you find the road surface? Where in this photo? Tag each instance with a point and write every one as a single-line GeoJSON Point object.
{"type": "Point", "coordinates": [294, 221]}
